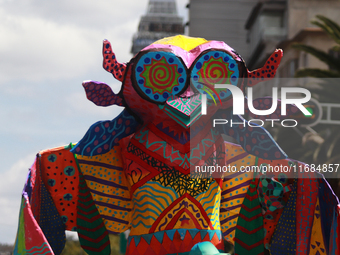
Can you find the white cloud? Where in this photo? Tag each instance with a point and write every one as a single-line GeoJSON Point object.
{"type": "Point", "coordinates": [11, 186]}
{"type": "Point", "coordinates": [47, 49]}
{"type": "Point", "coordinates": [57, 40]}
{"type": "Point", "coordinates": [36, 49]}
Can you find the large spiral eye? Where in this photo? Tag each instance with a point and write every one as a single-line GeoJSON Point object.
{"type": "Point", "coordinates": [159, 75]}
{"type": "Point", "coordinates": [214, 67]}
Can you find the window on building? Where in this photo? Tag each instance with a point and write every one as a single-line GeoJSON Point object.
{"type": "Point", "coordinates": [289, 69]}
{"type": "Point", "coordinates": [335, 54]}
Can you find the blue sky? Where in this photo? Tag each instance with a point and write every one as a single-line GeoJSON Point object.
{"type": "Point", "coordinates": [47, 48]}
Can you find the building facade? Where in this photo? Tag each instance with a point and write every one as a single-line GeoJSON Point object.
{"type": "Point", "coordinates": [280, 23]}
{"type": "Point", "coordinates": [221, 20]}
{"type": "Point", "coordinates": [161, 20]}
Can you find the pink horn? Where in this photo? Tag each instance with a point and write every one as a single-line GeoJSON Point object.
{"type": "Point", "coordinates": [110, 63]}
{"type": "Point", "coordinates": [268, 71]}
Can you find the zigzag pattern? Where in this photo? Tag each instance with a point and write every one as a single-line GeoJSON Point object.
{"type": "Point", "coordinates": [176, 241]}
{"type": "Point", "coordinates": [249, 227]}
{"type": "Point", "coordinates": [93, 236]}
{"type": "Point", "coordinates": [173, 155]}
{"type": "Point", "coordinates": [234, 189]}
{"type": "Point", "coordinates": [185, 105]}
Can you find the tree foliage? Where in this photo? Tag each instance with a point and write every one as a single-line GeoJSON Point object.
{"type": "Point", "coordinates": [333, 30]}
{"type": "Point", "coordinates": [322, 144]}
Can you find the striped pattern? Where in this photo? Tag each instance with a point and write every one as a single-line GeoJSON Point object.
{"type": "Point", "coordinates": [234, 188]}
{"type": "Point", "coordinates": [93, 236]}
{"type": "Point", "coordinates": [210, 201]}
{"type": "Point", "coordinates": [249, 230]}
{"type": "Point", "coordinates": [150, 201]}
{"type": "Point", "coordinates": [108, 186]}
{"type": "Point", "coordinates": [30, 239]}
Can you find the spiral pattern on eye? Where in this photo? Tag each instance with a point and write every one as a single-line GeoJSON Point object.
{"type": "Point", "coordinates": [214, 72]}
{"type": "Point", "coordinates": [161, 76]}
{"type": "Point", "coordinates": [158, 75]}
{"type": "Point", "coordinates": [214, 67]}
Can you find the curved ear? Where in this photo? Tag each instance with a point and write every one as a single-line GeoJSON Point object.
{"type": "Point", "coordinates": [110, 63]}
{"type": "Point", "coordinates": [268, 71]}
{"type": "Point", "coordinates": [101, 94]}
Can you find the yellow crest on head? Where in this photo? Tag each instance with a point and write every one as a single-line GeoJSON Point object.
{"type": "Point", "coordinates": [182, 41]}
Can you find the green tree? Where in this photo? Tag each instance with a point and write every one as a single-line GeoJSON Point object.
{"type": "Point", "coordinates": [333, 30]}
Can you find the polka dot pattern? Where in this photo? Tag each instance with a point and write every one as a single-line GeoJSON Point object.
{"type": "Point", "coordinates": [60, 175]}
{"type": "Point", "coordinates": [268, 71]}
{"type": "Point", "coordinates": [110, 63]}
{"type": "Point", "coordinates": [101, 94]}
{"type": "Point", "coordinates": [284, 239]}
{"type": "Point", "coordinates": [104, 135]}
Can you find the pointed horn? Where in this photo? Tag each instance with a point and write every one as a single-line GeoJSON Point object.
{"type": "Point", "coordinates": [268, 71]}
{"type": "Point", "coordinates": [101, 94]}
{"type": "Point", "coordinates": [110, 63]}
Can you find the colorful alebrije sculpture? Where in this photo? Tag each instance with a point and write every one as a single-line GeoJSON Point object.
{"type": "Point", "coordinates": [134, 172]}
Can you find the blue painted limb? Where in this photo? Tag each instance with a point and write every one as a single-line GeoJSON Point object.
{"type": "Point", "coordinates": [102, 136]}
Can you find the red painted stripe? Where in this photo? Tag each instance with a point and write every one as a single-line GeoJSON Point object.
{"type": "Point", "coordinates": [85, 207]}
{"type": "Point", "coordinates": [246, 246]}
{"type": "Point", "coordinates": [249, 231]}
{"type": "Point", "coordinates": [251, 209]}
{"type": "Point", "coordinates": [92, 229]}
{"type": "Point", "coordinates": [250, 219]}
{"type": "Point", "coordinates": [96, 249]}
{"type": "Point", "coordinates": [88, 219]}
{"type": "Point", "coordinates": [251, 198]}
{"type": "Point", "coordinates": [87, 212]}
{"type": "Point", "coordinates": [93, 240]}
